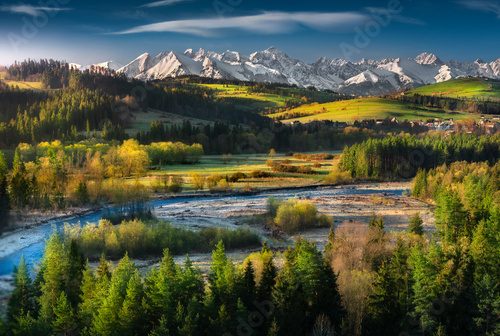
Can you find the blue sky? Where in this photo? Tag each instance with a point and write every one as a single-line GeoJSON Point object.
{"type": "Point", "coordinates": [93, 31]}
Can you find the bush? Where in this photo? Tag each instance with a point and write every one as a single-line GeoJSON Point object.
{"type": "Point", "coordinates": [293, 215]}
{"type": "Point", "coordinates": [175, 184]}
{"type": "Point", "coordinates": [213, 180]}
{"type": "Point", "coordinates": [338, 177]}
{"type": "Point", "coordinates": [284, 167]}
{"type": "Point", "coordinates": [236, 177]}
{"type": "Point", "coordinates": [260, 174]}
{"type": "Point", "coordinates": [198, 181]}
{"type": "Point", "coordinates": [313, 157]}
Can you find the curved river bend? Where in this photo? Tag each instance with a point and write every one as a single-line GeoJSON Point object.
{"type": "Point", "coordinates": [33, 251]}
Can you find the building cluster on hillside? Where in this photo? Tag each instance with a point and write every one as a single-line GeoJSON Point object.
{"type": "Point", "coordinates": [482, 126]}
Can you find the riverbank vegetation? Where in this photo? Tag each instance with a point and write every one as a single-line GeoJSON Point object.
{"type": "Point", "coordinates": [54, 176]}
{"type": "Point", "coordinates": [140, 239]}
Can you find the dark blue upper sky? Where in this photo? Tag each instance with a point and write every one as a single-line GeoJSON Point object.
{"type": "Point", "coordinates": [92, 31]}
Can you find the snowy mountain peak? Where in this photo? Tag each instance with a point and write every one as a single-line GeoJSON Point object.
{"type": "Point", "coordinates": [137, 66]}
{"type": "Point", "coordinates": [270, 54]}
{"type": "Point", "coordinates": [231, 56]}
{"type": "Point", "coordinates": [426, 58]}
{"type": "Point", "coordinates": [365, 77]}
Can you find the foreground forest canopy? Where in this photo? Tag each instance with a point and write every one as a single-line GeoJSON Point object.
{"type": "Point", "coordinates": [442, 283]}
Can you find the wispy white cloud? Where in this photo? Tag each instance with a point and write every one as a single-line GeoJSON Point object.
{"type": "Point", "coordinates": [31, 10]}
{"type": "Point", "coordinates": [264, 23]}
{"type": "Point", "coordinates": [485, 6]}
{"type": "Point", "coordinates": [394, 16]}
{"type": "Point", "coordinates": [163, 3]}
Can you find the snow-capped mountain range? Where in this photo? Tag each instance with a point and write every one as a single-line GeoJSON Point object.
{"type": "Point", "coordinates": [366, 77]}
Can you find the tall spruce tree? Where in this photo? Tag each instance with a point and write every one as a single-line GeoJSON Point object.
{"type": "Point", "coordinates": [22, 300]}
{"type": "Point", "coordinates": [64, 322]}
{"type": "Point", "coordinates": [106, 321]}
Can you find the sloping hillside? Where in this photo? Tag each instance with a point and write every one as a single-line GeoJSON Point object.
{"type": "Point", "coordinates": [364, 108]}
{"type": "Point", "coordinates": [467, 88]}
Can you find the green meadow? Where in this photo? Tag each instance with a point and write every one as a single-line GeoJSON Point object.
{"type": "Point", "coordinates": [364, 108]}
{"type": "Point", "coordinates": [462, 88]}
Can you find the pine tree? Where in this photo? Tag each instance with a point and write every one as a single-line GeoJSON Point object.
{"type": "Point", "coordinates": [416, 225]}
{"type": "Point", "coordinates": [64, 322]}
{"type": "Point", "coordinates": [290, 302]}
{"type": "Point", "coordinates": [76, 265]}
{"type": "Point", "coordinates": [160, 292]}
{"type": "Point", "coordinates": [319, 284]}
{"type": "Point", "coordinates": [21, 301]}
{"type": "Point", "coordinates": [268, 278]}
{"type": "Point", "coordinates": [484, 251]}
{"type": "Point", "coordinates": [223, 296]}
{"type": "Point", "coordinates": [248, 287]}
{"type": "Point", "coordinates": [131, 317]}
{"type": "Point", "coordinates": [89, 302]}
{"type": "Point", "coordinates": [451, 219]}
{"type": "Point", "coordinates": [330, 243]}
{"type": "Point", "coordinates": [28, 325]}
{"type": "Point", "coordinates": [420, 184]}
{"type": "Point", "coordinates": [55, 276]}
{"type": "Point", "coordinates": [106, 322]}
{"type": "Point", "coordinates": [190, 296]}
{"type": "Point", "coordinates": [390, 298]}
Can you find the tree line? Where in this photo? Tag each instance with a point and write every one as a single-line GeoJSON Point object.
{"type": "Point", "coordinates": [397, 157]}
{"type": "Point", "coordinates": [69, 297]}
{"type": "Point", "coordinates": [482, 106]}
{"type": "Point", "coordinates": [53, 74]}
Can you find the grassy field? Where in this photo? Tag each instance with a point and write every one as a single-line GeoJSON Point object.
{"type": "Point", "coordinates": [25, 85]}
{"type": "Point", "coordinates": [211, 165]}
{"type": "Point", "coordinates": [20, 84]}
{"type": "Point", "coordinates": [462, 88]}
{"type": "Point", "coordinates": [244, 99]}
{"type": "Point", "coordinates": [251, 101]}
{"type": "Point", "coordinates": [364, 108]}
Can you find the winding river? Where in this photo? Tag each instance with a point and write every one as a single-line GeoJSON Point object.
{"type": "Point", "coordinates": [30, 243]}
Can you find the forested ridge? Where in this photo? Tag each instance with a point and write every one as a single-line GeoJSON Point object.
{"type": "Point", "coordinates": [479, 105]}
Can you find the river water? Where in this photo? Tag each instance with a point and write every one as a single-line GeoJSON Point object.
{"type": "Point", "coordinates": [35, 238]}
